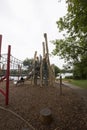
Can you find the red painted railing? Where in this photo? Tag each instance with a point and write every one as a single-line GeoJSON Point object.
{"type": "Point", "coordinates": [6, 91]}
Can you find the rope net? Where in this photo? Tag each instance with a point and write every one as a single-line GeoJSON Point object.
{"type": "Point", "coordinates": [9, 65]}
{"type": "Point", "coordinates": [15, 65]}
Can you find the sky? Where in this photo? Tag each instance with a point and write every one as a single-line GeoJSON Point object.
{"type": "Point", "coordinates": [23, 23]}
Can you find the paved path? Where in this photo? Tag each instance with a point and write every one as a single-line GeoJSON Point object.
{"type": "Point", "coordinates": [81, 91]}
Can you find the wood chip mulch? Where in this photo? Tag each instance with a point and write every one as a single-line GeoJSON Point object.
{"type": "Point", "coordinates": [68, 110]}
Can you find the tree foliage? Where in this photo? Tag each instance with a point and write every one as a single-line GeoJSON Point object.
{"type": "Point", "coordinates": [73, 47]}
{"type": "Point", "coordinates": [28, 62]}
{"type": "Point", "coordinates": [57, 70]}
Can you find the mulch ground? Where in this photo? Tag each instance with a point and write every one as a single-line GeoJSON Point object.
{"type": "Point", "coordinates": [26, 101]}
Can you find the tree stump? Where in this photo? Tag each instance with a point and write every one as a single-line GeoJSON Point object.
{"type": "Point", "coordinates": [46, 116]}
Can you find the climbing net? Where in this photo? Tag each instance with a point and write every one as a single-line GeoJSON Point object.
{"type": "Point", "coordinates": [15, 64]}
{"type": "Point", "coordinates": [5, 60]}
{"type": "Point", "coordinates": [3, 63]}
{"type": "Point", "coordinates": [8, 65]}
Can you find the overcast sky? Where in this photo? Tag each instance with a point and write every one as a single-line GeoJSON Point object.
{"type": "Point", "coordinates": [23, 22]}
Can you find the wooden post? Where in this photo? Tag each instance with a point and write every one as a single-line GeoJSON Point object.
{"type": "Point", "coordinates": [60, 85]}
{"type": "Point", "coordinates": [52, 74]}
{"type": "Point", "coordinates": [35, 55]}
{"type": "Point", "coordinates": [43, 49]}
{"type": "Point", "coordinates": [47, 58]}
{"type": "Point", "coordinates": [19, 71]}
{"type": "Point", "coordinates": [47, 50]}
{"type": "Point", "coordinates": [34, 63]}
{"type": "Point", "coordinates": [41, 77]}
{"type": "Point", "coordinates": [46, 116]}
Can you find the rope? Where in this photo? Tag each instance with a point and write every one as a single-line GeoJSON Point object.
{"type": "Point", "coordinates": [21, 118]}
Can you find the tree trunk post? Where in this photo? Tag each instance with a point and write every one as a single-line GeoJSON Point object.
{"type": "Point", "coordinates": [60, 85]}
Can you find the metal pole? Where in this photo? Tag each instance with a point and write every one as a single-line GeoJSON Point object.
{"type": "Point", "coordinates": [7, 75]}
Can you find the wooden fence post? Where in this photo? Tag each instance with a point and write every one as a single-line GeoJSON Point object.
{"type": "Point", "coordinates": [60, 85]}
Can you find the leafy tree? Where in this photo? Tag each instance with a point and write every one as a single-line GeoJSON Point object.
{"type": "Point", "coordinates": [28, 62]}
{"type": "Point", "coordinates": [80, 69]}
{"type": "Point", "coordinates": [73, 47]}
{"type": "Point", "coordinates": [57, 70]}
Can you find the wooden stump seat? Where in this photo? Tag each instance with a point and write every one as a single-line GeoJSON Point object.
{"type": "Point", "coordinates": [46, 116]}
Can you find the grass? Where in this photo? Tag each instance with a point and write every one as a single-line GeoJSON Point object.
{"type": "Point", "coordinates": [80, 83]}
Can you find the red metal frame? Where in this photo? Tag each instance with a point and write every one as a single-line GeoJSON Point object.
{"type": "Point", "coordinates": [0, 44]}
{"type": "Point", "coordinates": [6, 93]}
{"type": "Point", "coordinates": [7, 75]}
{"type": "Point", "coordinates": [0, 47]}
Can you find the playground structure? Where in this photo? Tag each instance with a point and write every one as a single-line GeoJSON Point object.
{"type": "Point", "coordinates": [41, 72]}
{"type": "Point", "coordinates": [6, 76]}
{"type": "Point", "coordinates": [8, 63]}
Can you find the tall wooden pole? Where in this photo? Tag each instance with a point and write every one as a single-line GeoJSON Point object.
{"type": "Point", "coordinates": [41, 66]}
{"type": "Point", "coordinates": [35, 55]}
{"type": "Point", "coordinates": [47, 50]}
{"type": "Point", "coordinates": [41, 73]}
{"type": "Point", "coordinates": [34, 76]}
{"type": "Point", "coordinates": [47, 58]}
{"type": "Point", "coordinates": [43, 49]}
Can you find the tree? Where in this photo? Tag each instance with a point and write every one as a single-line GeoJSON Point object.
{"type": "Point", "coordinates": [73, 47]}
{"type": "Point", "coordinates": [28, 63]}
{"type": "Point", "coordinates": [57, 70]}
{"type": "Point", "coordinates": [80, 69]}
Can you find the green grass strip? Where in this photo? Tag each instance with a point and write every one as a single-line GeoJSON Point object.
{"type": "Point", "coordinates": [80, 83]}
